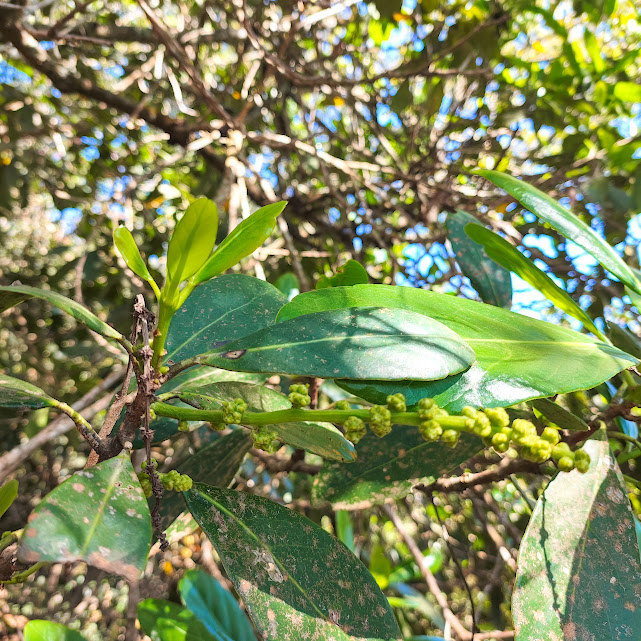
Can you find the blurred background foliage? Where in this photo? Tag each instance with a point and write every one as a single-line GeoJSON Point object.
{"type": "Point", "coordinates": [368, 117]}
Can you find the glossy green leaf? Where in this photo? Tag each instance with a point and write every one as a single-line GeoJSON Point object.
{"type": "Point", "coordinates": [8, 493]}
{"type": "Point", "coordinates": [319, 438]}
{"type": "Point", "coordinates": [372, 343]}
{"type": "Point", "coordinates": [221, 310]}
{"type": "Point", "coordinates": [518, 358]}
{"type": "Point", "coordinates": [40, 630]}
{"type": "Point", "coordinates": [130, 253]}
{"type": "Point", "coordinates": [505, 254]}
{"type": "Point", "coordinates": [215, 464]}
{"type": "Point", "coordinates": [21, 395]}
{"type": "Point", "coordinates": [559, 415]}
{"type": "Point", "coordinates": [624, 339]}
{"type": "Point", "coordinates": [244, 239]}
{"type": "Point", "coordinates": [192, 241]}
{"type": "Point", "coordinates": [98, 515]}
{"type": "Point", "coordinates": [388, 468]}
{"type": "Point", "coordinates": [15, 294]}
{"type": "Point", "coordinates": [214, 606]}
{"type": "Point", "coordinates": [579, 575]}
{"type": "Point", "coordinates": [324, 593]}
{"type": "Point", "coordinates": [565, 222]}
{"type": "Point", "coordinates": [166, 621]}
{"type": "Point", "coordinates": [351, 273]}
{"type": "Point", "coordinates": [491, 281]}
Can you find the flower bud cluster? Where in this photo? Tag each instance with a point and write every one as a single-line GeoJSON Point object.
{"type": "Point", "coordinates": [172, 480]}
{"type": "Point", "coordinates": [233, 410]}
{"type": "Point", "coordinates": [299, 395]}
{"type": "Point", "coordinates": [355, 429]}
{"type": "Point", "coordinates": [380, 420]}
{"type": "Point", "coordinates": [176, 481]}
{"type": "Point", "coordinates": [265, 439]}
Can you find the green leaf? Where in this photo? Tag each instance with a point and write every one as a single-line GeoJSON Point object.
{"type": "Point", "coordinates": [192, 241]}
{"type": "Point", "coordinates": [98, 515]}
{"type": "Point", "coordinates": [565, 222]}
{"type": "Point", "coordinates": [559, 415]}
{"type": "Point", "coordinates": [214, 606]}
{"type": "Point", "coordinates": [166, 621]}
{"type": "Point", "coordinates": [491, 281]}
{"type": "Point", "coordinates": [319, 438]}
{"type": "Point", "coordinates": [627, 91]}
{"type": "Point", "coordinates": [388, 468]}
{"type": "Point", "coordinates": [8, 493]}
{"type": "Point", "coordinates": [128, 249]}
{"type": "Point", "coordinates": [244, 239]}
{"type": "Point", "coordinates": [499, 250]}
{"type": "Point", "coordinates": [518, 358]}
{"type": "Point", "coordinates": [39, 630]}
{"type": "Point", "coordinates": [221, 310]}
{"type": "Point", "coordinates": [351, 273]}
{"type": "Point", "coordinates": [624, 339]}
{"type": "Point", "coordinates": [579, 575]}
{"type": "Point", "coordinates": [324, 593]}
{"type": "Point", "coordinates": [372, 343]}
{"type": "Point", "coordinates": [21, 395]}
{"type": "Point", "coordinates": [216, 464]}
{"type": "Point", "coordinates": [594, 50]}
{"type": "Point", "coordinates": [15, 294]}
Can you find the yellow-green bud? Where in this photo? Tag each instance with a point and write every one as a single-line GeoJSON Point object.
{"type": "Point", "coordinates": [560, 450]}
{"type": "Point", "coordinates": [451, 437]}
{"type": "Point", "coordinates": [342, 405]}
{"type": "Point", "coordinates": [396, 403]}
{"type": "Point", "coordinates": [566, 464]}
{"type": "Point", "coordinates": [183, 426]}
{"type": "Point", "coordinates": [355, 429]}
{"type": "Point", "coordinates": [380, 420]}
{"type": "Point", "coordinates": [298, 395]}
{"type": "Point", "coordinates": [551, 435]}
{"type": "Point", "coordinates": [430, 430]}
{"type": "Point", "coordinates": [498, 417]}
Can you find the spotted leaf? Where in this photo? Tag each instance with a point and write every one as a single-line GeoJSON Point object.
{"type": "Point", "coordinates": [579, 575]}
{"type": "Point", "coordinates": [98, 515]}
{"type": "Point", "coordinates": [296, 580]}
{"type": "Point", "coordinates": [387, 468]}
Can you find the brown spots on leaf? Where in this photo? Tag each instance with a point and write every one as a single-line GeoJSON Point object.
{"type": "Point", "coordinates": [78, 487]}
{"type": "Point", "coordinates": [31, 532]}
{"type": "Point", "coordinates": [234, 354]}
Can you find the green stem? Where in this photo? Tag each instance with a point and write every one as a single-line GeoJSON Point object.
{"type": "Point", "coordinates": [84, 427]}
{"type": "Point", "coordinates": [164, 319]}
{"type": "Point", "coordinates": [20, 577]}
{"type": "Point", "coordinates": [295, 415]}
{"type": "Point", "coordinates": [7, 539]}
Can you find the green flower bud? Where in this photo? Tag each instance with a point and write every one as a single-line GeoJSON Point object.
{"type": "Point", "coordinates": [265, 439]}
{"type": "Point", "coordinates": [451, 437]}
{"type": "Point", "coordinates": [380, 420]}
{"type": "Point", "coordinates": [145, 484]}
{"type": "Point", "coordinates": [500, 442]}
{"type": "Point", "coordinates": [430, 430]}
{"type": "Point", "coordinates": [582, 465]}
{"type": "Point", "coordinates": [298, 395]}
{"type": "Point", "coordinates": [426, 404]}
{"type": "Point", "coordinates": [551, 435]}
{"type": "Point", "coordinates": [498, 417]}
{"type": "Point", "coordinates": [482, 425]}
{"type": "Point", "coordinates": [581, 455]}
{"type": "Point", "coordinates": [152, 415]}
{"type": "Point", "coordinates": [355, 429]}
{"type": "Point", "coordinates": [542, 450]}
{"type": "Point", "coordinates": [342, 405]}
{"type": "Point", "coordinates": [566, 464]}
{"type": "Point", "coordinates": [217, 427]}
{"type": "Point", "coordinates": [396, 403]}
{"type": "Point", "coordinates": [233, 410]}
{"type": "Point", "coordinates": [560, 450]}
{"type": "Point", "coordinates": [183, 426]}
{"type": "Point", "coordinates": [521, 427]}
{"type": "Point", "coordinates": [468, 411]}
